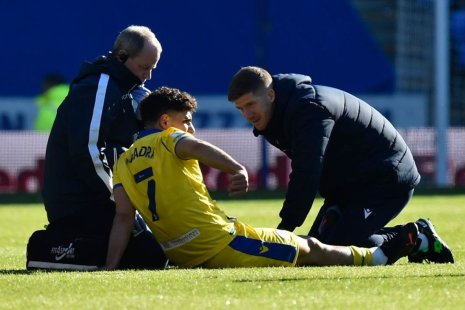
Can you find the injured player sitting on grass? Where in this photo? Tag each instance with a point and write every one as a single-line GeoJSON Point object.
{"type": "Point", "coordinates": [166, 187]}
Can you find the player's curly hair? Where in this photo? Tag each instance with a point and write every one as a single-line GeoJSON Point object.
{"type": "Point", "coordinates": [163, 100]}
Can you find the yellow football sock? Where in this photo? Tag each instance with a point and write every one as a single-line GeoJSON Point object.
{"type": "Point", "coordinates": [362, 256]}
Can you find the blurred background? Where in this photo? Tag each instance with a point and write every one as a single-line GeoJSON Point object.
{"type": "Point", "coordinates": [404, 57]}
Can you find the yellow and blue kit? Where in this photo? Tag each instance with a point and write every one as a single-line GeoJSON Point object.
{"type": "Point", "coordinates": [171, 196]}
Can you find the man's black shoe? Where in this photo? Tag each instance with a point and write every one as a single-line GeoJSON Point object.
{"type": "Point", "coordinates": [438, 251]}
{"type": "Point", "coordinates": [401, 244]}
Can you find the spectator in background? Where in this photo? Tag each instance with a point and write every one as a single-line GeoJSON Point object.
{"type": "Point", "coordinates": [94, 124]}
{"type": "Point", "coordinates": [54, 90]}
{"type": "Point", "coordinates": [342, 148]}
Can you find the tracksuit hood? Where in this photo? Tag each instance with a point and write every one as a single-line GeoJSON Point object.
{"type": "Point", "coordinates": [108, 64]}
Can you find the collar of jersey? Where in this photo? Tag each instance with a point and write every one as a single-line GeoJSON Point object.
{"type": "Point", "coordinates": [147, 132]}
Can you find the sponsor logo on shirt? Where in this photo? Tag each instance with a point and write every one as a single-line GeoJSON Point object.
{"type": "Point", "coordinates": [187, 237]}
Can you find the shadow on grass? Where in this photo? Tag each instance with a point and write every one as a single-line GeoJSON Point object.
{"type": "Point", "coordinates": [15, 271]}
{"type": "Point", "coordinates": [429, 276]}
{"type": "Point", "coordinates": [35, 271]}
{"type": "Point", "coordinates": [396, 276]}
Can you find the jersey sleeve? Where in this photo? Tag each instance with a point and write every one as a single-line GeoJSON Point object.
{"type": "Point", "coordinates": [116, 178]}
{"type": "Point", "coordinates": [171, 137]}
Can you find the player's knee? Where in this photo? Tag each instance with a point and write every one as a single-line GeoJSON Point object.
{"type": "Point", "coordinates": [311, 252]}
{"type": "Point", "coordinates": [315, 246]}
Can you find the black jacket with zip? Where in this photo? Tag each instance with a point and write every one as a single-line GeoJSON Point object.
{"type": "Point", "coordinates": [339, 146]}
{"type": "Point", "coordinates": [95, 122]}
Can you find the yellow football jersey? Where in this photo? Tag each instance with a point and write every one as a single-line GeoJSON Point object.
{"type": "Point", "coordinates": [171, 196]}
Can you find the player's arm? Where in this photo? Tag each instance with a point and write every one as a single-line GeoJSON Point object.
{"type": "Point", "coordinates": [212, 156]}
{"type": "Point", "coordinates": [123, 224]}
{"type": "Point", "coordinates": [310, 131]}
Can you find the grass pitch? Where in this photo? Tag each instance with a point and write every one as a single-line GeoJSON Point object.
{"type": "Point", "coordinates": [401, 286]}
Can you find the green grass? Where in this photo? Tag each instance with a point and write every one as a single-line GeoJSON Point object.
{"type": "Point", "coordinates": [401, 286]}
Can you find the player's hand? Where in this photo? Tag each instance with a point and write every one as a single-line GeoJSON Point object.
{"type": "Point", "coordinates": [238, 183]}
{"type": "Point", "coordinates": [139, 93]}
